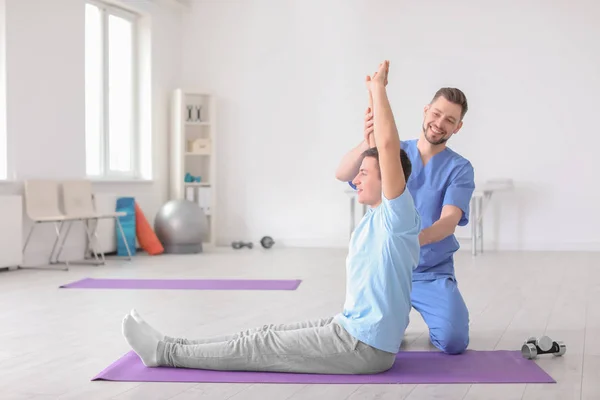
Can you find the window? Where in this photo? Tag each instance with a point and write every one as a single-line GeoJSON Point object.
{"type": "Point", "coordinates": [111, 92]}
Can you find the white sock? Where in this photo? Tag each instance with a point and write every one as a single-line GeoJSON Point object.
{"type": "Point", "coordinates": [145, 345]}
{"type": "Point", "coordinates": [146, 327]}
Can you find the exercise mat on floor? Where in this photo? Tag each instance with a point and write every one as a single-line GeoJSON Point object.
{"type": "Point", "coordinates": [415, 367]}
{"type": "Point", "coordinates": [184, 284]}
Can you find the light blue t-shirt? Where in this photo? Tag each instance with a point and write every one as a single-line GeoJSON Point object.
{"type": "Point", "coordinates": [448, 178]}
{"type": "Point", "coordinates": [383, 251]}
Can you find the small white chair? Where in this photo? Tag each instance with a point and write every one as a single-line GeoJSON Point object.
{"type": "Point", "coordinates": [78, 204]}
{"type": "Point", "coordinates": [42, 206]}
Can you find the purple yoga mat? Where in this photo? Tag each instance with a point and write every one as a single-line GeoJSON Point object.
{"type": "Point", "coordinates": [185, 284]}
{"type": "Point", "coordinates": [500, 366]}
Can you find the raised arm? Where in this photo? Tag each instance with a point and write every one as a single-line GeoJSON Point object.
{"type": "Point", "coordinates": [369, 123]}
{"type": "Point", "coordinates": [350, 163]}
{"type": "Point", "coordinates": [386, 135]}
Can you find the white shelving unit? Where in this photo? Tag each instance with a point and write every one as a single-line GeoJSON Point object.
{"type": "Point", "coordinates": [193, 151]}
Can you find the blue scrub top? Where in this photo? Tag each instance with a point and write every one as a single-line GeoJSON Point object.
{"type": "Point", "coordinates": [448, 178]}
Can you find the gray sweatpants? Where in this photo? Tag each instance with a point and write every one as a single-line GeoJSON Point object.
{"type": "Point", "coordinates": [321, 347]}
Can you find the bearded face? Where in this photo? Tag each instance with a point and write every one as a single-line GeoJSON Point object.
{"type": "Point", "coordinates": [441, 120]}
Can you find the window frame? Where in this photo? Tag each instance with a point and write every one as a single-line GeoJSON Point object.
{"type": "Point", "coordinates": [106, 10]}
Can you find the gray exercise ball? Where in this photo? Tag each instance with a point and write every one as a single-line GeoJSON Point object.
{"type": "Point", "coordinates": [181, 226]}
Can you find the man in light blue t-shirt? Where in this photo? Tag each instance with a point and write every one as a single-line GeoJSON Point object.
{"type": "Point", "coordinates": [442, 183]}
{"type": "Point", "coordinates": [383, 251]}
{"type": "Point", "coordinates": [365, 337]}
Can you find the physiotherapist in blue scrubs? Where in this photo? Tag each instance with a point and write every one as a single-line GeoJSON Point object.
{"type": "Point", "coordinates": [442, 183]}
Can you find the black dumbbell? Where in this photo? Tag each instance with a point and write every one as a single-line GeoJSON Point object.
{"type": "Point", "coordinates": [239, 245]}
{"type": "Point", "coordinates": [531, 349]}
{"type": "Point", "coordinates": [267, 242]}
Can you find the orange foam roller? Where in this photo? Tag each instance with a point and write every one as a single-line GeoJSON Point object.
{"type": "Point", "coordinates": [145, 234]}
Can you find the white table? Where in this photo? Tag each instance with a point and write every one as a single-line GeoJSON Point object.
{"type": "Point", "coordinates": [480, 199]}
{"type": "Point", "coordinates": [352, 195]}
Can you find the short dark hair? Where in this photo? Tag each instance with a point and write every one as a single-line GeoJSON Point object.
{"type": "Point", "coordinates": [404, 160]}
{"type": "Point", "coordinates": [453, 95]}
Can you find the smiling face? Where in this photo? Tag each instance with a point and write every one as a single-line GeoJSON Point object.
{"type": "Point", "coordinates": [368, 182]}
{"type": "Point", "coordinates": [369, 186]}
{"type": "Point", "coordinates": [443, 117]}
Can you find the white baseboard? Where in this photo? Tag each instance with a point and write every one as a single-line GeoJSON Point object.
{"type": "Point", "coordinates": [315, 243]}
{"type": "Point", "coordinates": [294, 242]}
{"type": "Point", "coordinates": [35, 257]}
{"type": "Point", "coordinates": [465, 244]}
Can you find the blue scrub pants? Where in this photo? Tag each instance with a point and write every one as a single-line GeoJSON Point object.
{"type": "Point", "coordinates": [444, 311]}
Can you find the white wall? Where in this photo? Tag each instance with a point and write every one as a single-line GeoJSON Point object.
{"type": "Point", "coordinates": [46, 94]}
{"type": "Point", "coordinates": [289, 80]}
{"type": "Point", "coordinates": [3, 143]}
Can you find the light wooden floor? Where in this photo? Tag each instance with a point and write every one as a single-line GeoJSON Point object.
{"type": "Point", "coordinates": [54, 341]}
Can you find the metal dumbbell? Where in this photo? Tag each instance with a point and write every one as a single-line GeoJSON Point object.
{"type": "Point", "coordinates": [544, 342]}
{"type": "Point", "coordinates": [267, 242]}
{"type": "Point", "coordinates": [544, 345]}
{"type": "Point", "coordinates": [239, 245]}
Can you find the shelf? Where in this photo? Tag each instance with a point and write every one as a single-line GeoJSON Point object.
{"type": "Point", "coordinates": [192, 152]}
{"type": "Point", "coordinates": [201, 184]}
